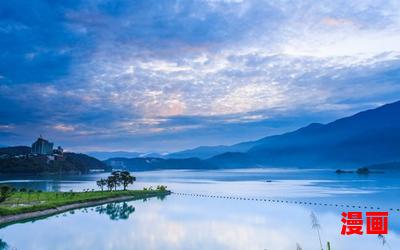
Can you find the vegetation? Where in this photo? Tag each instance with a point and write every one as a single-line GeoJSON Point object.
{"type": "Point", "coordinates": [363, 171]}
{"type": "Point", "coordinates": [12, 151]}
{"type": "Point", "coordinates": [161, 188]}
{"type": "Point", "coordinates": [317, 227]}
{"type": "Point", "coordinates": [382, 238]}
{"type": "Point", "coordinates": [101, 183]}
{"type": "Point", "coordinates": [23, 201]}
{"type": "Point", "coordinates": [126, 179]}
{"type": "Point", "coordinates": [340, 171]}
{"type": "Point", "coordinates": [28, 164]}
{"type": "Point", "coordinates": [5, 192]}
{"type": "Point", "coordinates": [14, 201]}
{"type": "Point", "coordinates": [116, 179]}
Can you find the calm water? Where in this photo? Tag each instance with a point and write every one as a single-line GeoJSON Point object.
{"type": "Point", "coordinates": [188, 222]}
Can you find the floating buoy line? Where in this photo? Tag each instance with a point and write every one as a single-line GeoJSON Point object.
{"type": "Point", "coordinates": [281, 201]}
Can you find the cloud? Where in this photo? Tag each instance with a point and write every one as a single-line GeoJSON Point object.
{"type": "Point", "coordinates": [330, 21]}
{"type": "Point", "coordinates": [63, 127]}
{"type": "Point", "coordinates": [130, 75]}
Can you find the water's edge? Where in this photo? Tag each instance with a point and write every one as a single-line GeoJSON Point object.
{"type": "Point", "coordinates": [20, 218]}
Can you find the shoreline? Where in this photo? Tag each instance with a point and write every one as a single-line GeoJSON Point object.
{"type": "Point", "coordinates": [15, 218]}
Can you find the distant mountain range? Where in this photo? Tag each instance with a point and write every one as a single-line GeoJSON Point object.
{"type": "Point", "coordinates": [205, 152]}
{"type": "Point", "coordinates": [104, 155]}
{"type": "Point", "coordinates": [368, 137]}
{"type": "Point", "coordinates": [386, 165]}
{"type": "Point", "coordinates": [142, 164]}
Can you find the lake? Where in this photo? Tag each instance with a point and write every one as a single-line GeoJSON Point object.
{"type": "Point", "coordinates": [255, 209]}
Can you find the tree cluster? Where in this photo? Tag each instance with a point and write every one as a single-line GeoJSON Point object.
{"type": "Point", "coordinates": [115, 180]}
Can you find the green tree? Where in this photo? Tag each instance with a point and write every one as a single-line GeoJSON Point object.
{"type": "Point", "coordinates": [161, 188]}
{"type": "Point", "coordinates": [38, 192]}
{"type": "Point", "coordinates": [116, 178]}
{"type": "Point", "coordinates": [101, 183]}
{"type": "Point", "coordinates": [30, 191]}
{"type": "Point", "coordinates": [126, 178]}
{"type": "Point", "coordinates": [5, 192]}
{"type": "Point", "coordinates": [110, 183]}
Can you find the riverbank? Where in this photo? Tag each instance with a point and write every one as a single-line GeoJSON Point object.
{"type": "Point", "coordinates": [24, 206]}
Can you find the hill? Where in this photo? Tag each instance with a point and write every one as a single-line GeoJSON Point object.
{"type": "Point", "coordinates": [385, 166]}
{"type": "Point", "coordinates": [143, 164]}
{"type": "Point", "coordinates": [12, 151]}
{"type": "Point", "coordinates": [368, 137]}
{"type": "Point", "coordinates": [103, 155]}
{"type": "Point", "coordinates": [16, 160]}
{"type": "Point", "coordinates": [205, 152]}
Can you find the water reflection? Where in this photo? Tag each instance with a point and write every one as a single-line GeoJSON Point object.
{"type": "Point", "coordinates": [3, 245]}
{"type": "Point", "coordinates": [187, 222]}
{"type": "Point", "coordinates": [193, 223]}
{"type": "Point", "coordinates": [161, 197]}
{"type": "Point", "coordinates": [116, 211]}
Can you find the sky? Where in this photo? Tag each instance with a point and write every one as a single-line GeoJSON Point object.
{"type": "Point", "coordinates": [162, 76]}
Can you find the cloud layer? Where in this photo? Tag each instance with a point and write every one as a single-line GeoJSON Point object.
{"type": "Point", "coordinates": [167, 75]}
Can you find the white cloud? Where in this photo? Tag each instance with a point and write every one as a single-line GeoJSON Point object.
{"type": "Point", "coordinates": [64, 127]}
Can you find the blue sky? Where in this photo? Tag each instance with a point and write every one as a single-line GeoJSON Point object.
{"type": "Point", "coordinates": [170, 75]}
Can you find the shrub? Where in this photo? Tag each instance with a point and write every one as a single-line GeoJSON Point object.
{"type": "Point", "coordinates": [161, 187]}
{"type": "Point", "coordinates": [5, 192]}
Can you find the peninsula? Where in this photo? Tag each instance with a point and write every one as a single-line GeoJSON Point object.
{"type": "Point", "coordinates": [24, 205]}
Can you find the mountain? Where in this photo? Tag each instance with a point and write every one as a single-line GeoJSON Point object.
{"type": "Point", "coordinates": [395, 165]}
{"type": "Point", "coordinates": [12, 151]}
{"type": "Point", "coordinates": [205, 152]}
{"type": "Point", "coordinates": [103, 155]}
{"type": "Point", "coordinates": [368, 137]}
{"type": "Point", "coordinates": [18, 160]}
{"type": "Point", "coordinates": [81, 162]}
{"type": "Point", "coordinates": [149, 163]}
{"type": "Point", "coordinates": [151, 155]}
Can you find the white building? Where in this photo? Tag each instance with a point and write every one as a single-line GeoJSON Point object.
{"type": "Point", "coordinates": [42, 147]}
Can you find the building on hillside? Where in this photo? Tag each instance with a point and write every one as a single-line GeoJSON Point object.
{"type": "Point", "coordinates": [58, 151]}
{"type": "Point", "coordinates": [42, 147]}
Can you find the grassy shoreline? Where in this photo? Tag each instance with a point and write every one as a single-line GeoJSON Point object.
{"type": "Point", "coordinates": [25, 202]}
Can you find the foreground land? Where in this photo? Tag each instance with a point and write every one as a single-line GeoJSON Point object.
{"type": "Point", "coordinates": [24, 205]}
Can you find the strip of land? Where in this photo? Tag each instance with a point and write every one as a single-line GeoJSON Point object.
{"type": "Point", "coordinates": [24, 206]}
